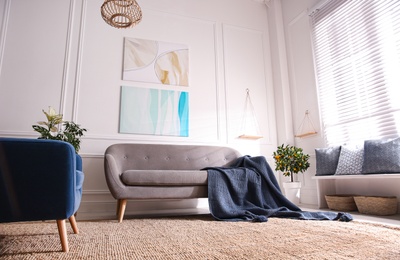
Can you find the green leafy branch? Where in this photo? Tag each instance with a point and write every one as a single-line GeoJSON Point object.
{"type": "Point", "coordinates": [290, 160]}
{"type": "Point", "coordinates": [72, 132]}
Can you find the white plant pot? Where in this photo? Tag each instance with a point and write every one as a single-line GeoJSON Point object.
{"type": "Point", "coordinates": [292, 191]}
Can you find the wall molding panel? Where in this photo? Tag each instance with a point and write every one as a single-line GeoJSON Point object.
{"type": "Point", "coordinates": [4, 23]}
{"type": "Point", "coordinates": [68, 43]}
{"type": "Point", "coordinates": [303, 92]}
{"type": "Point", "coordinates": [244, 69]}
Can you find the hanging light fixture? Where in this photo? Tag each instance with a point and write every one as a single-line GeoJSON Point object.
{"type": "Point", "coordinates": [121, 13]}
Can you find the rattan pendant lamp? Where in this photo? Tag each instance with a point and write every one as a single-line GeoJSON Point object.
{"type": "Point", "coordinates": [121, 13]}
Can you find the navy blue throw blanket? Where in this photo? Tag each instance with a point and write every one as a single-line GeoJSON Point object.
{"type": "Point", "coordinates": [249, 191]}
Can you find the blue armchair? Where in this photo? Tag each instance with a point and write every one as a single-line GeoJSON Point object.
{"type": "Point", "coordinates": [40, 180]}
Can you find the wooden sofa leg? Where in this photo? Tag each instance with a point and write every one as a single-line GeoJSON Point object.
{"type": "Point", "coordinates": [74, 226]}
{"type": "Point", "coordinates": [118, 207]}
{"type": "Point", "coordinates": [121, 209]}
{"type": "Point", "coordinates": [62, 231]}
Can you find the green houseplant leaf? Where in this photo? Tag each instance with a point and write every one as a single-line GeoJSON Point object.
{"type": "Point", "coordinates": [72, 132]}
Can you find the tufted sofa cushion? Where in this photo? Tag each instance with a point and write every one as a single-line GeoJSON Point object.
{"type": "Point", "coordinates": [164, 178]}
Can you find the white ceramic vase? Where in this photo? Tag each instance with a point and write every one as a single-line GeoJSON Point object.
{"type": "Point", "coordinates": [292, 191]}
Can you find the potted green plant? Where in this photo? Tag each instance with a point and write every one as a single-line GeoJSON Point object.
{"type": "Point", "coordinates": [291, 160]}
{"type": "Point", "coordinates": [57, 129]}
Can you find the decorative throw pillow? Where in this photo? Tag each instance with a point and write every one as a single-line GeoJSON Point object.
{"type": "Point", "coordinates": [350, 161]}
{"type": "Point", "coordinates": [327, 160]}
{"type": "Point", "coordinates": [381, 156]}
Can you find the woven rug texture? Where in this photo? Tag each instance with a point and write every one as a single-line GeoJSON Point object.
{"type": "Point", "coordinates": [202, 237]}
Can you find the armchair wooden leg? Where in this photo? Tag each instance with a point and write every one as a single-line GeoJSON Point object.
{"type": "Point", "coordinates": [62, 231]}
{"type": "Point", "coordinates": [121, 209]}
{"type": "Point", "coordinates": [74, 226]}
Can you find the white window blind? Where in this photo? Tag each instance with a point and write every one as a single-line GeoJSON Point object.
{"type": "Point", "coordinates": [357, 59]}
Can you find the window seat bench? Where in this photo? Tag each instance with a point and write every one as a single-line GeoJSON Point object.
{"type": "Point", "coordinates": [364, 184]}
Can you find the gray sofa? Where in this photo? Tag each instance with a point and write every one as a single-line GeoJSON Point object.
{"type": "Point", "coordinates": [159, 171]}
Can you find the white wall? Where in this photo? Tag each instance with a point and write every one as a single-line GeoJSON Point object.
{"type": "Point", "coordinates": [62, 54]}
{"type": "Point", "coordinates": [294, 82]}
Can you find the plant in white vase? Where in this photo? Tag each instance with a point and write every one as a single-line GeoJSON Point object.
{"type": "Point", "coordinates": [291, 160]}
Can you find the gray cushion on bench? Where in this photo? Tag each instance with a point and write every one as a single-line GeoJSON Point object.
{"type": "Point", "coordinates": [327, 160]}
{"type": "Point", "coordinates": [381, 156]}
{"type": "Point", "coordinates": [164, 177]}
{"type": "Point", "coordinates": [350, 160]}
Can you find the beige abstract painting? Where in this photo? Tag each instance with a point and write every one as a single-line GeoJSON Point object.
{"type": "Point", "coordinates": [156, 62]}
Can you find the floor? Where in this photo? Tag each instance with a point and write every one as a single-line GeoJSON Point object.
{"type": "Point", "coordinates": [388, 220]}
{"type": "Point", "coordinates": [393, 220]}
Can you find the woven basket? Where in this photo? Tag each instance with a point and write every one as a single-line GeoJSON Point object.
{"type": "Point", "coordinates": [341, 202]}
{"type": "Point", "coordinates": [375, 205]}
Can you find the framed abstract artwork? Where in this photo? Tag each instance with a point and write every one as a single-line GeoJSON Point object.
{"type": "Point", "coordinates": [156, 62]}
{"type": "Point", "coordinates": [154, 111]}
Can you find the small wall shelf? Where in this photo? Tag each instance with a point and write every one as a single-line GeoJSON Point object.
{"type": "Point", "coordinates": [250, 137]}
{"type": "Point", "coordinates": [306, 134]}
{"type": "Point", "coordinates": [249, 128]}
{"type": "Point", "coordinates": [306, 127]}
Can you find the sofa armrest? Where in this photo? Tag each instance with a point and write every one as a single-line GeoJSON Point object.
{"type": "Point", "coordinates": [112, 173]}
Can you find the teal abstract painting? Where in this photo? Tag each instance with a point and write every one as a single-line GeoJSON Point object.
{"type": "Point", "coordinates": [154, 111]}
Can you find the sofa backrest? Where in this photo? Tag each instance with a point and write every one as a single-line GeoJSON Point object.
{"type": "Point", "coordinates": [38, 180]}
{"type": "Point", "coordinates": [129, 156]}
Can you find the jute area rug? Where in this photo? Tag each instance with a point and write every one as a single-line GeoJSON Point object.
{"type": "Point", "coordinates": [202, 237]}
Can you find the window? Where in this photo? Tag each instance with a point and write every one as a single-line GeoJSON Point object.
{"type": "Point", "coordinates": [357, 60]}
